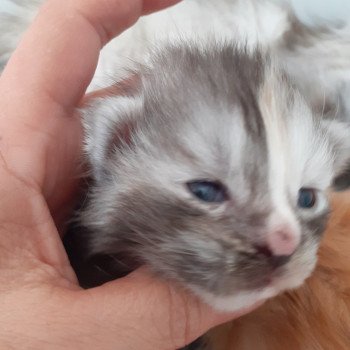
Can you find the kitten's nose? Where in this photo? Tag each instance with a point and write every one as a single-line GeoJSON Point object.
{"type": "Point", "coordinates": [283, 241]}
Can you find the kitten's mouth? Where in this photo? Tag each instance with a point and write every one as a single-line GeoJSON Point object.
{"type": "Point", "coordinates": [267, 287]}
{"type": "Point", "coordinates": [277, 279]}
{"type": "Point", "coordinates": [278, 273]}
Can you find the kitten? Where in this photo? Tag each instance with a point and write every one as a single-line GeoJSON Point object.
{"type": "Point", "coordinates": [213, 172]}
{"type": "Point", "coordinates": [210, 166]}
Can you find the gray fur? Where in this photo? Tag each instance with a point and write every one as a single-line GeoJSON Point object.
{"type": "Point", "coordinates": [210, 95]}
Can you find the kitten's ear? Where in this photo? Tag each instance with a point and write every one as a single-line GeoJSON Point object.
{"type": "Point", "coordinates": [339, 136]}
{"type": "Point", "coordinates": [109, 123]}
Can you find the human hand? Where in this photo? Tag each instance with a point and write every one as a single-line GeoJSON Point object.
{"type": "Point", "coordinates": [42, 305]}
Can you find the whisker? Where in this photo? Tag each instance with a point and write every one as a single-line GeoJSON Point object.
{"type": "Point", "coordinates": [118, 261]}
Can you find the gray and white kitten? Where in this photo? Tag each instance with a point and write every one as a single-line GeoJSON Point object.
{"type": "Point", "coordinates": [209, 166]}
{"type": "Point", "coordinates": [214, 173]}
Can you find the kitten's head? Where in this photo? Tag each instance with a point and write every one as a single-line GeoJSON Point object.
{"type": "Point", "coordinates": [211, 169]}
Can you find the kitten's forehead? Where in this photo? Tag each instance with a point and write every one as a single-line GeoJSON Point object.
{"type": "Point", "coordinates": [207, 100]}
{"type": "Point", "coordinates": [236, 118]}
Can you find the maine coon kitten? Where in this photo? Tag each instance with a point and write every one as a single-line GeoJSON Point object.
{"type": "Point", "coordinates": [213, 172]}
{"type": "Point", "coordinates": [210, 166]}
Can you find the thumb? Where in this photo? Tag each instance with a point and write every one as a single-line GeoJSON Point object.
{"type": "Point", "coordinates": [142, 312]}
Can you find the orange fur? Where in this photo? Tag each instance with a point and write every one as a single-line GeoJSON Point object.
{"type": "Point", "coordinates": [314, 317]}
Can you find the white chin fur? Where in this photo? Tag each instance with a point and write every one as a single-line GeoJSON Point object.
{"type": "Point", "coordinates": [239, 301]}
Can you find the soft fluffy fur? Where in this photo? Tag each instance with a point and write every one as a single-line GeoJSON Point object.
{"type": "Point", "coordinates": [316, 316]}
{"type": "Point", "coordinates": [258, 137]}
{"type": "Point", "coordinates": [215, 115]}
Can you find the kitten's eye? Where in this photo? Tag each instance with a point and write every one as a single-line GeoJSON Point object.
{"type": "Point", "coordinates": [307, 198]}
{"type": "Point", "coordinates": [208, 191]}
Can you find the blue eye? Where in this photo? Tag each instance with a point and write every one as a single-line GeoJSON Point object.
{"type": "Point", "coordinates": [208, 191]}
{"type": "Point", "coordinates": [307, 198]}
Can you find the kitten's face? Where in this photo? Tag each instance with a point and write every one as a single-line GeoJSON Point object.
{"type": "Point", "coordinates": [215, 175]}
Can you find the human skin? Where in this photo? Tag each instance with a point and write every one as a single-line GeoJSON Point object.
{"type": "Point", "coordinates": [42, 306]}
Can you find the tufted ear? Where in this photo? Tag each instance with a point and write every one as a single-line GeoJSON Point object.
{"type": "Point", "coordinates": [339, 136]}
{"type": "Point", "coordinates": [109, 121]}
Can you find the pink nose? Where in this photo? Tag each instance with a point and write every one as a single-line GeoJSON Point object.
{"type": "Point", "coordinates": [283, 241]}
